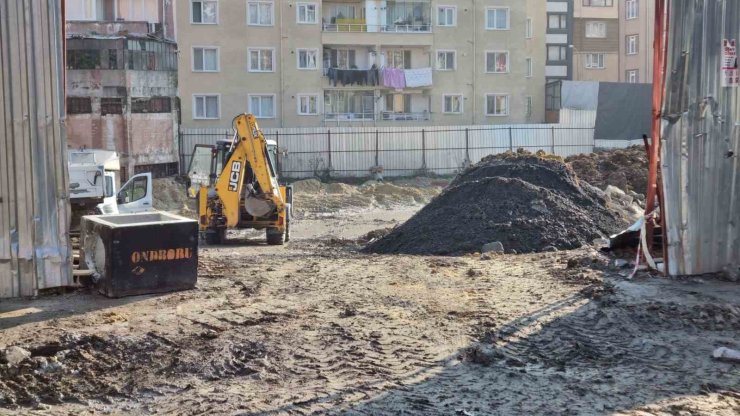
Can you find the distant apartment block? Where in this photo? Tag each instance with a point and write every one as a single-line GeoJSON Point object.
{"type": "Point", "coordinates": [361, 63]}
{"type": "Point", "coordinates": [596, 40]}
{"type": "Point", "coordinates": [559, 40]}
{"type": "Point", "coordinates": [637, 22]}
{"type": "Point", "coordinates": [122, 81]}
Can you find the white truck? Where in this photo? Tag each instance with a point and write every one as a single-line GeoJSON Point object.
{"type": "Point", "coordinates": [94, 176]}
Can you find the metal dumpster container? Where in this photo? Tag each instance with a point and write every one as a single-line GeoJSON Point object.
{"type": "Point", "coordinates": [136, 254]}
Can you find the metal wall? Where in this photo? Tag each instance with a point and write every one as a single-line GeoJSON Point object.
{"type": "Point", "coordinates": [700, 145]}
{"type": "Point", "coordinates": [34, 211]}
{"type": "Point", "coordinates": [401, 151]}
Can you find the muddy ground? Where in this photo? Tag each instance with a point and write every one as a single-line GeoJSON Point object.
{"type": "Point", "coordinates": [316, 328]}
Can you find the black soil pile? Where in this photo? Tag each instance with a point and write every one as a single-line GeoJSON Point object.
{"type": "Point", "coordinates": [527, 202]}
{"type": "Point", "coordinates": [626, 169]}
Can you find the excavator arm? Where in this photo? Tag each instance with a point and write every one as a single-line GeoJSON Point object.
{"type": "Point", "coordinates": [249, 153]}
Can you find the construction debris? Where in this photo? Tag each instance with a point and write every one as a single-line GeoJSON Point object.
{"type": "Point", "coordinates": [527, 202]}
{"type": "Point", "coordinates": [624, 168]}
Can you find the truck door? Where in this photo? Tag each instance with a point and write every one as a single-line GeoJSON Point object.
{"type": "Point", "coordinates": [136, 194]}
{"type": "Point", "coordinates": [109, 205]}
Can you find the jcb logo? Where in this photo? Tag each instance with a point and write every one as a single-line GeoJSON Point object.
{"type": "Point", "coordinates": [236, 167]}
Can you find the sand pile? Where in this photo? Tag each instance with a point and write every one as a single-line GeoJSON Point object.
{"type": "Point", "coordinates": [312, 196]}
{"type": "Point", "coordinates": [171, 196]}
{"type": "Point", "coordinates": [527, 202]}
{"type": "Point", "coordinates": [626, 169]}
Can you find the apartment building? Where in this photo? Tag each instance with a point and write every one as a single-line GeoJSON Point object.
{"type": "Point", "coordinates": [637, 22]}
{"type": "Point", "coordinates": [361, 62]}
{"type": "Point", "coordinates": [559, 40]}
{"type": "Point", "coordinates": [596, 40]}
{"type": "Point", "coordinates": [121, 81]}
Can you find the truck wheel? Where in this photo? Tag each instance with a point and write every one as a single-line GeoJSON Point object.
{"type": "Point", "coordinates": [275, 237]}
{"type": "Point", "coordinates": [215, 237]}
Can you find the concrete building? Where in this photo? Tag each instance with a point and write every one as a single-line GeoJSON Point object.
{"type": "Point", "coordinates": [306, 63]}
{"type": "Point", "coordinates": [596, 40]}
{"type": "Point", "coordinates": [559, 40]}
{"type": "Point", "coordinates": [122, 81]}
{"type": "Point", "coordinates": [636, 22]}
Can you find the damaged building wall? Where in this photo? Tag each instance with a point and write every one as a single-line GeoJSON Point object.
{"type": "Point", "coordinates": [122, 96]}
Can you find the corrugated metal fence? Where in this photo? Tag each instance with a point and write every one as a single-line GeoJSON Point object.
{"type": "Point", "coordinates": [34, 211]}
{"type": "Point", "coordinates": [400, 151]}
{"type": "Point", "coordinates": [701, 140]}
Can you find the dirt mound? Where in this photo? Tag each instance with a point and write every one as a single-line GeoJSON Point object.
{"type": "Point", "coordinates": [626, 169]}
{"type": "Point", "coordinates": [526, 202]}
{"type": "Point", "coordinates": [312, 196]}
{"type": "Point", "coordinates": [171, 196]}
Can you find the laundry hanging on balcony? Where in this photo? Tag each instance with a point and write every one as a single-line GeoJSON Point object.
{"type": "Point", "coordinates": [420, 77]}
{"type": "Point", "coordinates": [352, 76]}
{"type": "Point", "coordinates": [394, 78]}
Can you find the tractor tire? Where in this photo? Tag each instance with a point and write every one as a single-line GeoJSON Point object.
{"type": "Point", "coordinates": [215, 237]}
{"type": "Point", "coordinates": [287, 230]}
{"type": "Point", "coordinates": [275, 237]}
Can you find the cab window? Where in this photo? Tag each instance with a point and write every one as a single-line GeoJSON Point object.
{"type": "Point", "coordinates": [135, 190]}
{"type": "Point", "coordinates": [108, 186]}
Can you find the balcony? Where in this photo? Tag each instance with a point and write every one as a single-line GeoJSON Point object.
{"type": "Point", "coordinates": [350, 23]}
{"type": "Point", "coordinates": [393, 116]}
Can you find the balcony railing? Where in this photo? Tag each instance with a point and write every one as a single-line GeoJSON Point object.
{"type": "Point", "coordinates": [392, 28]}
{"type": "Point", "coordinates": [393, 116]}
{"type": "Point", "coordinates": [350, 116]}
{"type": "Point", "coordinates": [382, 116]}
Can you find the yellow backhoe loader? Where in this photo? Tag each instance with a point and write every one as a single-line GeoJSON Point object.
{"type": "Point", "coordinates": [236, 184]}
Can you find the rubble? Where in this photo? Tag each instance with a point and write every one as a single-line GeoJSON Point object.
{"type": "Point", "coordinates": [527, 202]}
{"type": "Point", "coordinates": [625, 169]}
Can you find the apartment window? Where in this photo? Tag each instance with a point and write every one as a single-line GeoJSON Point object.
{"type": "Point", "coordinates": [262, 106]}
{"type": "Point", "coordinates": [340, 58]}
{"type": "Point", "coordinates": [446, 60]}
{"type": "Point", "coordinates": [557, 53]}
{"type": "Point", "coordinates": [631, 46]}
{"type": "Point", "coordinates": [307, 13]}
{"type": "Point", "coordinates": [398, 103]}
{"type": "Point", "coordinates": [81, 10]}
{"type": "Point", "coordinates": [453, 104]}
{"type": "Point", "coordinates": [206, 107]}
{"type": "Point", "coordinates": [598, 3]}
{"type": "Point", "coordinates": [631, 9]}
{"type": "Point", "coordinates": [204, 12]}
{"type": "Point", "coordinates": [497, 105]}
{"type": "Point", "coordinates": [79, 105]}
{"type": "Point", "coordinates": [308, 104]}
{"type": "Point", "coordinates": [632, 76]}
{"type": "Point", "coordinates": [308, 58]}
{"type": "Point", "coordinates": [595, 61]}
{"type": "Point", "coordinates": [497, 18]}
{"type": "Point", "coordinates": [398, 59]}
{"type": "Point", "coordinates": [529, 67]}
{"type": "Point", "coordinates": [446, 16]}
{"type": "Point", "coordinates": [151, 105]}
{"type": "Point", "coordinates": [528, 106]}
{"type": "Point", "coordinates": [111, 106]}
{"type": "Point", "coordinates": [557, 21]}
{"type": "Point", "coordinates": [205, 59]}
{"type": "Point", "coordinates": [528, 29]}
{"type": "Point", "coordinates": [595, 29]}
{"type": "Point", "coordinates": [497, 62]}
{"type": "Point", "coordinates": [261, 60]}
{"type": "Point", "coordinates": [260, 13]}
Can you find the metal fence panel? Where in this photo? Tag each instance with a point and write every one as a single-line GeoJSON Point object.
{"type": "Point", "coordinates": [35, 251]}
{"type": "Point", "coordinates": [403, 151]}
{"type": "Point", "coordinates": [700, 140]}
